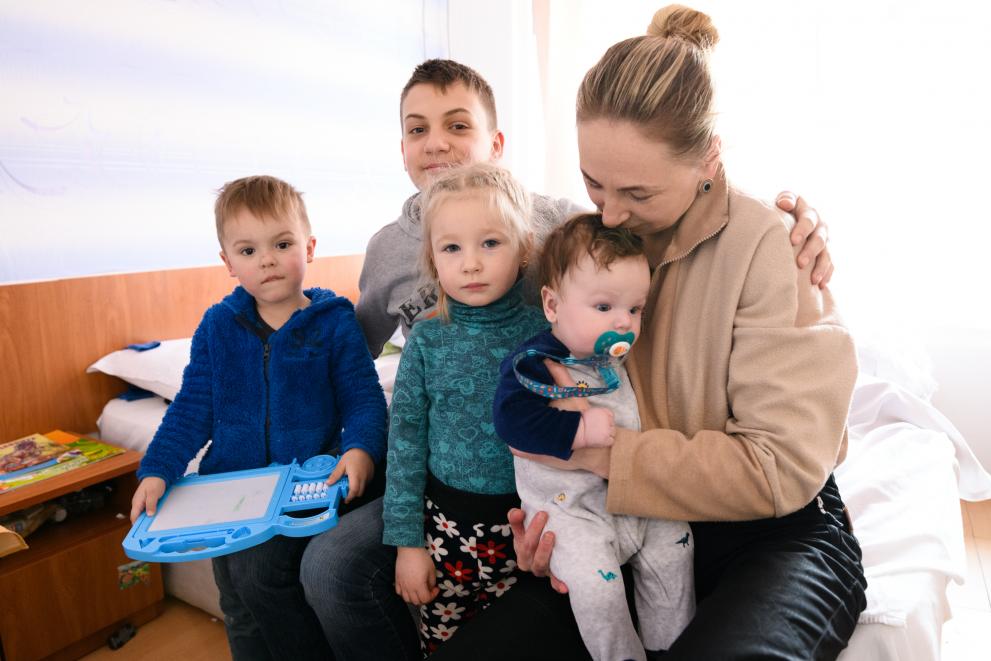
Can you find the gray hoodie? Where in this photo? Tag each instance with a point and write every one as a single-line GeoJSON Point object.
{"type": "Point", "coordinates": [393, 294]}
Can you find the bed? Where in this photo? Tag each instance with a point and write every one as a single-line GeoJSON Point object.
{"type": "Point", "coordinates": [905, 472]}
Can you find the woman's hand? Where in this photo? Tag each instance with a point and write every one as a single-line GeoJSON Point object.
{"type": "Point", "coordinates": [359, 467]}
{"type": "Point", "coordinates": [416, 577]}
{"type": "Point", "coordinates": [814, 232]}
{"type": "Point", "coordinates": [534, 547]}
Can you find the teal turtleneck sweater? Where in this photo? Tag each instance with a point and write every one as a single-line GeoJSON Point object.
{"type": "Point", "coordinates": [441, 414]}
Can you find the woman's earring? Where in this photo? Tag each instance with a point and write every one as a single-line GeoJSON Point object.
{"type": "Point", "coordinates": [705, 186]}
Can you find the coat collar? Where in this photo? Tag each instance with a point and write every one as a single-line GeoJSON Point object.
{"type": "Point", "coordinates": [706, 217]}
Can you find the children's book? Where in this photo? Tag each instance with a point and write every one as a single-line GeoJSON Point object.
{"type": "Point", "coordinates": [40, 456]}
{"type": "Point", "coordinates": [28, 453]}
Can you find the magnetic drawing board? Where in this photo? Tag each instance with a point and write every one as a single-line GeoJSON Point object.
{"type": "Point", "coordinates": [204, 516]}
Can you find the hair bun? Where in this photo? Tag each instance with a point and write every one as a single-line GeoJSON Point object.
{"type": "Point", "coordinates": [684, 23]}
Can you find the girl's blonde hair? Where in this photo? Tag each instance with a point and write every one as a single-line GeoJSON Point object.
{"type": "Point", "coordinates": [504, 195]}
{"type": "Point", "coordinates": [660, 81]}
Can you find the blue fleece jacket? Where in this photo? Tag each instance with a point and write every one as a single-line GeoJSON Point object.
{"type": "Point", "coordinates": [524, 419]}
{"type": "Point", "coordinates": [268, 396]}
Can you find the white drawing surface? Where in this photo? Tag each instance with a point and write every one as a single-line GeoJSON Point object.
{"type": "Point", "coordinates": [223, 501]}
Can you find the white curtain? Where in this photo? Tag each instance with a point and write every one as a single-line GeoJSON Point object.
{"type": "Point", "coordinates": [878, 112]}
{"type": "Point", "coordinates": [119, 119]}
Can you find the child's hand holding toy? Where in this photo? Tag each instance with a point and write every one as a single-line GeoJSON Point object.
{"type": "Point", "coordinates": [359, 468]}
{"type": "Point", "coordinates": [146, 497]}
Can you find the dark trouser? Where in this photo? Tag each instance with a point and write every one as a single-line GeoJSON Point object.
{"type": "Point", "coordinates": [265, 608]}
{"type": "Point", "coordinates": [349, 578]}
{"type": "Point", "coordinates": [788, 588]}
{"type": "Point", "coordinates": [265, 611]}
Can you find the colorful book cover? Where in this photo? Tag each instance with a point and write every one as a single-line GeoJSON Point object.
{"type": "Point", "coordinates": [76, 452]}
{"type": "Point", "coordinates": [28, 453]}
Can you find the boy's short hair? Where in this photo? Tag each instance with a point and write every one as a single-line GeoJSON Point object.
{"type": "Point", "coordinates": [505, 196]}
{"type": "Point", "coordinates": [585, 234]}
{"type": "Point", "coordinates": [263, 196]}
{"type": "Point", "coordinates": [441, 73]}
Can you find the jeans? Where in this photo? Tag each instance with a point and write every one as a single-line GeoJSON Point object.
{"type": "Point", "coordinates": [787, 588]}
{"type": "Point", "coordinates": [264, 607]}
{"type": "Point", "coordinates": [348, 575]}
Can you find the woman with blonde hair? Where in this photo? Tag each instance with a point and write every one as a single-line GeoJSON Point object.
{"type": "Point", "coordinates": [743, 373]}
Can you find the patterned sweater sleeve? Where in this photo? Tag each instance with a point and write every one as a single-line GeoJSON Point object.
{"type": "Point", "coordinates": [406, 472]}
{"type": "Point", "coordinates": [356, 388]}
{"type": "Point", "coordinates": [188, 422]}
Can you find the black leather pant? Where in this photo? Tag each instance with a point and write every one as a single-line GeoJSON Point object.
{"type": "Point", "coordinates": [787, 588]}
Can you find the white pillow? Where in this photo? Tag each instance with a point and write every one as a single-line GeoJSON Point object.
{"type": "Point", "coordinates": [158, 370]}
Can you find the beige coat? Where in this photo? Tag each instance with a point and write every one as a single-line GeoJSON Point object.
{"type": "Point", "coordinates": [743, 373]}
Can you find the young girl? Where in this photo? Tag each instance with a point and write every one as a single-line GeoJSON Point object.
{"type": "Point", "coordinates": [450, 480]}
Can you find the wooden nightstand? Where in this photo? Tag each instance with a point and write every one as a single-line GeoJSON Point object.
{"type": "Point", "coordinates": [63, 596]}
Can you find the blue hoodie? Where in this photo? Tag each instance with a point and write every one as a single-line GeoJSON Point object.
{"type": "Point", "coordinates": [267, 396]}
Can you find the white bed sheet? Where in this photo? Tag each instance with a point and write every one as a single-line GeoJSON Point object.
{"type": "Point", "coordinates": [905, 471]}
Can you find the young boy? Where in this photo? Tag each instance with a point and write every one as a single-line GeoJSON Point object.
{"type": "Point", "coordinates": [595, 284]}
{"type": "Point", "coordinates": [448, 117]}
{"type": "Point", "coordinates": [276, 373]}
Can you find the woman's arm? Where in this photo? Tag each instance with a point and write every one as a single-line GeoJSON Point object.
{"type": "Point", "coordinates": [791, 372]}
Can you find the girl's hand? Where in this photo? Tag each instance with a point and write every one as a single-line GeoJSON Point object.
{"type": "Point", "coordinates": [146, 497]}
{"type": "Point", "coordinates": [416, 576]}
{"type": "Point", "coordinates": [359, 467]}
{"type": "Point", "coordinates": [811, 230]}
{"type": "Point", "coordinates": [534, 547]}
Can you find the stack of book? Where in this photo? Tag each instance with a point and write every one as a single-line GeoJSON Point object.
{"type": "Point", "coordinates": [40, 456]}
{"type": "Point", "coordinates": [34, 458]}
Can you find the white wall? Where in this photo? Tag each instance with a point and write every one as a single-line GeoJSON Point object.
{"type": "Point", "coordinates": [119, 120]}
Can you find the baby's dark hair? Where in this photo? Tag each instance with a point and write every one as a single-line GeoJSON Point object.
{"type": "Point", "coordinates": [441, 73]}
{"type": "Point", "coordinates": [585, 234]}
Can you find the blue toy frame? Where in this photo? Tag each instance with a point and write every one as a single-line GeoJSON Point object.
{"type": "Point", "coordinates": [297, 488]}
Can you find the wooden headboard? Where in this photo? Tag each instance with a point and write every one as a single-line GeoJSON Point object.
{"type": "Point", "coordinates": [51, 331]}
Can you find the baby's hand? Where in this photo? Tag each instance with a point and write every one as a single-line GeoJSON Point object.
{"type": "Point", "coordinates": [596, 430]}
{"type": "Point", "coordinates": [416, 577]}
{"type": "Point", "coordinates": [359, 467]}
{"type": "Point", "coordinates": [146, 496]}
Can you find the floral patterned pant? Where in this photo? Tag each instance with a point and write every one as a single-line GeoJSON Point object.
{"type": "Point", "coordinates": [475, 564]}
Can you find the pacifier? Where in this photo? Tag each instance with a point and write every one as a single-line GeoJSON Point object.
{"type": "Point", "coordinates": [614, 344]}
{"type": "Point", "coordinates": [610, 348]}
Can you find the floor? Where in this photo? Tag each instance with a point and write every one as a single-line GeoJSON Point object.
{"type": "Point", "coordinates": [966, 637]}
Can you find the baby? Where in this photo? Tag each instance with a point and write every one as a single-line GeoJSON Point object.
{"type": "Point", "coordinates": [595, 282]}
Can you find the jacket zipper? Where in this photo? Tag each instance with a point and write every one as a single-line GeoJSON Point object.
{"type": "Point", "coordinates": [268, 406]}
{"type": "Point", "coordinates": [692, 249]}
